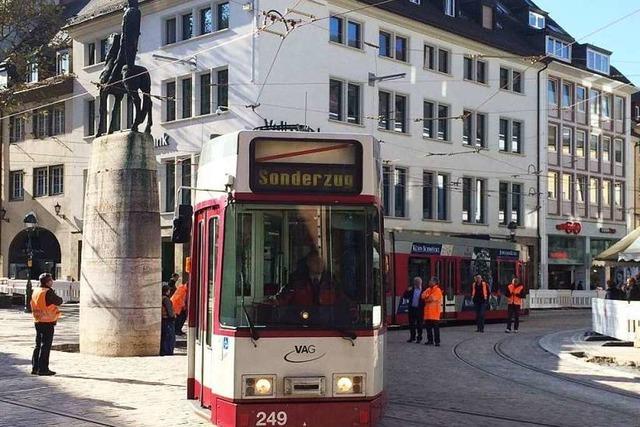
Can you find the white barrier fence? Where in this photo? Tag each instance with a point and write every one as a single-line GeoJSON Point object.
{"type": "Point", "coordinates": [68, 291]}
{"type": "Point", "coordinates": [560, 298]}
{"type": "Point", "coordinates": [618, 319]}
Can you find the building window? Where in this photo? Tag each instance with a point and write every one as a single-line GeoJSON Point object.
{"type": "Point", "coordinates": [16, 185]}
{"type": "Point", "coordinates": [436, 59]}
{"type": "Point", "coordinates": [618, 113]}
{"type": "Point", "coordinates": [222, 87]}
{"type": "Point", "coordinates": [597, 61]}
{"type": "Point", "coordinates": [40, 123]}
{"type": "Point", "coordinates": [552, 138]}
{"type": "Point", "coordinates": [510, 203]}
{"type": "Point", "coordinates": [187, 26]}
{"type": "Point", "coordinates": [510, 136]}
{"type": "Point", "coordinates": [56, 180]}
{"type": "Point", "coordinates": [206, 21]}
{"type": "Point", "coordinates": [617, 151]}
{"type": "Point", "coordinates": [58, 120]}
{"type": "Point", "coordinates": [393, 46]}
{"type": "Point", "coordinates": [17, 127]}
{"type": "Point", "coordinates": [32, 72]}
{"type": "Point", "coordinates": [581, 139]}
{"type": "Point", "coordinates": [606, 149]}
{"type": "Point", "coordinates": [567, 97]}
{"type": "Point", "coordinates": [552, 190]}
{"type": "Point", "coordinates": [581, 187]}
{"type": "Point", "coordinates": [90, 121]}
{"type": "Point", "coordinates": [170, 32]}
{"type": "Point", "coordinates": [435, 123]}
{"type": "Point", "coordinates": [343, 94]}
{"type": "Point", "coordinates": [336, 28]}
{"type": "Point", "coordinates": [399, 109]}
{"type": "Point", "coordinates": [353, 103]}
{"type": "Point", "coordinates": [475, 70]}
{"type": "Point", "coordinates": [474, 129]}
{"type": "Point", "coordinates": [62, 63]}
{"type": "Point", "coordinates": [450, 7]}
{"type": "Point", "coordinates": [594, 102]}
{"type": "Point", "coordinates": [594, 192]}
{"type": "Point", "coordinates": [170, 186]}
{"type": "Point", "coordinates": [511, 80]}
{"type": "Point", "coordinates": [536, 20]}
{"type": "Point", "coordinates": [186, 181]}
{"type": "Point", "coordinates": [335, 100]}
{"type": "Point", "coordinates": [567, 189]}
{"type": "Point", "coordinates": [606, 192]}
{"type": "Point", "coordinates": [354, 35]}
{"type": "Point", "coordinates": [552, 97]}
{"type": "Point", "coordinates": [618, 196]}
{"type": "Point", "coordinates": [606, 109]}
{"type": "Point", "coordinates": [170, 101]}
{"type": "Point", "coordinates": [394, 191]}
{"type": "Point", "coordinates": [558, 48]}
{"type": "Point", "coordinates": [186, 98]}
{"type": "Point", "coordinates": [40, 182]}
{"type": "Point", "coordinates": [567, 141]}
{"type": "Point", "coordinates": [205, 94]}
{"type": "Point", "coordinates": [223, 15]}
{"type": "Point", "coordinates": [593, 147]}
{"type": "Point", "coordinates": [581, 103]}
{"type": "Point", "coordinates": [91, 54]}
{"type": "Point", "coordinates": [435, 196]}
{"type": "Point", "coordinates": [474, 200]}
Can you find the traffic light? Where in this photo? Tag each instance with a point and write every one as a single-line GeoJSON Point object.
{"type": "Point", "coordinates": [181, 232]}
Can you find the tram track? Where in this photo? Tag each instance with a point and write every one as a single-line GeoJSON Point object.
{"type": "Point", "coordinates": [58, 413]}
{"type": "Point", "coordinates": [518, 421]}
{"type": "Point", "coordinates": [497, 350]}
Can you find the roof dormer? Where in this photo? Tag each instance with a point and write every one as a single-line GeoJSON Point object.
{"type": "Point", "coordinates": [537, 20]}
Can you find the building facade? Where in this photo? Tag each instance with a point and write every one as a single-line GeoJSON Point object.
{"type": "Point", "coordinates": [457, 92]}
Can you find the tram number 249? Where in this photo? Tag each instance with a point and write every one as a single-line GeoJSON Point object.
{"type": "Point", "coordinates": [271, 419]}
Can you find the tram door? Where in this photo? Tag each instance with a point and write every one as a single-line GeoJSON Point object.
{"type": "Point", "coordinates": [446, 269]}
{"type": "Point", "coordinates": [207, 241]}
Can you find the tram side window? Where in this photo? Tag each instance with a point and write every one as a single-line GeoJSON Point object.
{"type": "Point", "coordinates": [199, 242]}
{"type": "Point", "coordinates": [211, 274]}
{"type": "Point", "coordinates": [466, 276]}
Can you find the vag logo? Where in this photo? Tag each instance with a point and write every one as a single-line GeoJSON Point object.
{"type": "Point", "coordinates": [303, 354]}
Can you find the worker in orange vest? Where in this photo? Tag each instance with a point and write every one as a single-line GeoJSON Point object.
{"type": "Point", "coordinates": [480, 297]}
{"type": "Point", "coordinates": [44, 307]}
{"type": "Point", "coordinates": [515, 293]}
{"type": "Point", "coordinates": [179, 302]}
{"type": "Point", "coordinates": [432, 298]}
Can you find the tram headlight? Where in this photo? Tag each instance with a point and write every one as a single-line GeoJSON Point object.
{"type": "Point", "coordinates": [258, 385]}
{"type": "Point", "coordinates": [348, 384]}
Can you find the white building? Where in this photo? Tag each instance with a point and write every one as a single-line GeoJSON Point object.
{"type": "Point", "coordinates": [470, 171]}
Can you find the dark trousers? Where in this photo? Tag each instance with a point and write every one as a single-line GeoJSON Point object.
{"type": "Point", "coordinates": [433, 330]}
{"type": "Point", "coordinates": [180, 319]}
{"type": "Point", "coordinates": [168, 337]}
{"type": "Point", "coordinates": [513, 314]}
{"type": "Point", "coordinates": [415, 323]}
{"type": "Point", "coordinates": [44, 338]}
{"type": "Point", "coordinates": [480, 308]}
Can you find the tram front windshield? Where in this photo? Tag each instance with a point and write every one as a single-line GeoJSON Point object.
{"type": "Point", "coordinates": [301, 267]}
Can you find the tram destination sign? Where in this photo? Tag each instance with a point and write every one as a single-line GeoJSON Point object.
{"type": "Point", "coordinates": [306, 166]}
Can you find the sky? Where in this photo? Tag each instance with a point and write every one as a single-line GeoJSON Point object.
{"type": "Point", "coordinates": [581, 17]}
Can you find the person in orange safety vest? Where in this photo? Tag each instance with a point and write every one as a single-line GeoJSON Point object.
{"type": "Point", "coordinates": [432, 298]}
{"type": "Point", "coordinates": [44, 307]}
{"type": "Point", "coordinates": [515, 293]}
{"type": "Point", "coordinates": [179, 302]}
{"type": "Point", "coordinates": [480, 297]}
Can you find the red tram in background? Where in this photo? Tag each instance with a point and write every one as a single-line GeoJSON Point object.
{"type": "Point", "coordinates": [265, 347]}
{"type": "Point", "coordinates": [454, 260]}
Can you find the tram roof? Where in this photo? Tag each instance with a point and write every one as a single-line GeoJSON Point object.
{"type": "Point", "coordinates": [228, 161]}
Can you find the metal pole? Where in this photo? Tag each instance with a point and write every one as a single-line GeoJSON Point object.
{"type": "Point", "coordinates": [29, 289]}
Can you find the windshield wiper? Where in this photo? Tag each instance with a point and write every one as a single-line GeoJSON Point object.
{"type": "Point", "coordinates": [254, 334]}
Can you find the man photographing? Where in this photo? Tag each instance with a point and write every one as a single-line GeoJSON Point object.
{"type": "Point", "coordinates": [44, 306]}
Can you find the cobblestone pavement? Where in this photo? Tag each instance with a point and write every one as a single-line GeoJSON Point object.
{"type": "Point", "coordinates": [490, 379]}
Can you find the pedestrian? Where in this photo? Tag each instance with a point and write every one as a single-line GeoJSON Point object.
{"type": "Point", "coordinates": [515, 293]}
{"type": "Point", "coordinates": [168, 332]}
{"type": "Point", "coordinates": [175, 277]}
{"type": "Point", "coordinates": [633, 291]}
{"type": "Point", "coordinates": [416, 308]}
{"type": "Point", "coordinates": [179, 302]}
{"type": "Point", "coordinates": [480, 297]}
{"type": "Point", "coordinates": [432, 298]}
{"type": "Point", "coordinates": [44, 307]}
{"type": "Point", "coordinates": [613, 292]}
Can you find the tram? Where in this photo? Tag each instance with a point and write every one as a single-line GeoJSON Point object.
{"type": "Point", "coordinates": [454, 260]}
{"type": "Point", "coordinates": [286, 319]}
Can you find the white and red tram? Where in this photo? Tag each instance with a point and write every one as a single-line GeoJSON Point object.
{"type": "Point", "coordinates": [265, 348]}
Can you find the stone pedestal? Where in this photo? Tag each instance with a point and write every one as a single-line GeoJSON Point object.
{"type": "Point", "coordinates": [120, 284]}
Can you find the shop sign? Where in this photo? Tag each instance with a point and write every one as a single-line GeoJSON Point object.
{"type": "Point", "coordinates": [508, 254]}
{"type": "Point", "coordinates": [426, 248]}
{"type": "Point", "coordinates": [558, 255]}
{"type": "Point", "coordinates": [570, 227]}
{"type": "Point", "coordinates": [161, 142]}
{"type": "Point", "coordinates": [607, 230]}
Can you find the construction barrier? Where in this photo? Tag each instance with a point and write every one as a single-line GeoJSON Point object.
{"type": "Point", "coordinates": [68, 291]}
{"type": "Point", "coordinates": [560, 298]}
{"type": "Point", "coordinates": [618, 319]}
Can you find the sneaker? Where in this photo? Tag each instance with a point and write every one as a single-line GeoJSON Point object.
{"type": "Point", "coordinates": [46, 373]}
{"type": "Point", "coordinates": [437, 344]}
{"type": "Point", "coordinates": [34, 372]}
{"type": "Point", "coordinates": [507, 331]}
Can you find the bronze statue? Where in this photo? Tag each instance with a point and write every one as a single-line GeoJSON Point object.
{"type": "Point", "coordinates": [121, 76]}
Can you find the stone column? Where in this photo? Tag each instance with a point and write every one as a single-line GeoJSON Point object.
{"type": "Point", "coordinates": [120, 286]}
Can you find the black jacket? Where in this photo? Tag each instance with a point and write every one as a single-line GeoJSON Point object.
{"type": "Point", "coordinates": [408, 295]}
{"type": "Point", "coordinates": [51, 298]}
{"type": "Point", "coordinates": [633, 293]}
{"type": "Point", "coordinates": [614, 293]}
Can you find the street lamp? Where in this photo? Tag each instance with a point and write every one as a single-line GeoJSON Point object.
{"type": "Point", "coordinates": [512, 227]}
{"type": "Point", "coordinates": [30, 222]}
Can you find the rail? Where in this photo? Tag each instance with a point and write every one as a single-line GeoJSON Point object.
{"type": "Point", "coordinates": [68, 291]}
{"type": "Point", "coordinates": [560, 298]}
{"type": "Point", "coordinates": [618, 319]}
